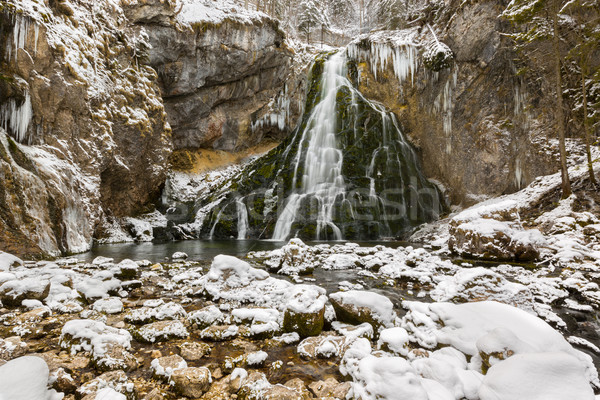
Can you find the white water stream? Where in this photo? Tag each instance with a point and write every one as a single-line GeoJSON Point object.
{"type": "Point", "coordinates": [322, 175]}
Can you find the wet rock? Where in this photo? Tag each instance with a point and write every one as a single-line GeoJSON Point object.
{"type": "Point", "coordinates": [12, 347]}
{"type": "Point", "coordinates": [305, 310]}
{"type": "Point", "coordinates": [330, 388]}
{"type": "Point", "coordinates": [224, 388]}
{"type": "Point", "coordinates": [160, 331]}
{"type": "Point", "coordinates": [218, 333]}
{"type": "Point", "coordinates": [194, 351]}
{"type": "Point", "coordinates": [66, 361]}
{"type": "Point", "coordinates": [298, 386]}
{"type": "Point", "coordinates": [254, 360]}
{"type": "Point", "coordinates": [13, 292]}
{"type": "Point", "coordinates": [63, 381]}
{"type": "Point", "coordinates": [155, 394]}
{"type": "Point", "coordinates": [356, 307]}
{"type": "Point", "coordinates": [33, 316]}
{"type": "Point", "coordinates": [257, 387]}
{"type": "Point", "coordinates": [164, 367]}
{"type": "Point", "coordinates": [191, 382]}
{"type": "Point", "coordinates": [116, 380]}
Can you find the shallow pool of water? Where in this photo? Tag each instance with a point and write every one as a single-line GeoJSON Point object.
{"type": "Point", "coordinates": [197, 250]}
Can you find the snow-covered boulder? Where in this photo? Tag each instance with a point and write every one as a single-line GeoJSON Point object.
{"type": "Point", "coordinates": [263, 322]}
{"type": "Point", "coordinates": [25, 378]}
{"type": "Point", "coordinates": [92, 336]}
{"type": "Point", "coordinates": [7, 261]}
{"type": "Point", "coordinates": [233, 280]}
{"type": "Point", "coordinates": [358, 306]}
{"type": "Point", "coordinates": [490, 332]}
{"type": "Point", "coordinates": [291, 259]}
{"type": "Point", "coordinates": [497, 240]}
{"type": "Point", "coordinates": [206, 316]}
{"type": "Point", "coordinates": [394, 340]}
{"type": "Point", "coordinates": [537, 376]}
{"type": "Point", "coordinates": [145, 314]}
{"type": "Point", "coordinates": [13, 292]}
{"type": "Point", "coordinates": [305, 310]}
{"type": "Point", "coordinates": [160, 331]}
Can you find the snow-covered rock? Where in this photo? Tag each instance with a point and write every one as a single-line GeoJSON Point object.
{"type": "Point", "coordinates": [305, 310]}
{"type": "Point", "coordinates": [357, 306]}
{"type": "Point", "coordinates": [537, 376]}
{"type": "Point", "coordinates": [25, 378]}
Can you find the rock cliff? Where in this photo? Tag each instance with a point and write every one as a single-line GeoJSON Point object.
{"type": "Point", "coordinates": [226, 78]}
{"type": "Point", "coordinates": [86, 137]}
{"type": "Point", "coordinates": [87, 91]}
{"type": "Point", "coordinates": [481, 129]}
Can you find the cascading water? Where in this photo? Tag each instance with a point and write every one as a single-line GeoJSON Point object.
{"type": "Point", "coordinates": [322, 176]}
{"type": "Point", "coordinates": [242, 217]}
{"type": "Point", "coordinates": [347, 172]}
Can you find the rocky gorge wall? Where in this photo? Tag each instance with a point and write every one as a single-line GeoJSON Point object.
{"type": "Point", "coordinates": [86, 140]}
{"type": "Point", "coordinates": [86, 133]}
{"type": "Point", "coordinates": [482, 130]}
{"type": "Point", "coordinates": [227, 81]}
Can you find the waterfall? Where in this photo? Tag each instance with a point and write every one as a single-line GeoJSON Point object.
{"type": "Point", "coordinates": [242, 219]}
{"type": "Point", "coordinates": [322, 177]}
{"type": "Point", "coordinates": [346, 172]}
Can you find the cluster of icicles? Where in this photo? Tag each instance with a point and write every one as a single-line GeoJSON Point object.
{"type": "Point", "coordinates": [16, 116]}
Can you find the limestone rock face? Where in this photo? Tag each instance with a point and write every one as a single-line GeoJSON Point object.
{"type": "Point", "coordinates": [472, 120]}
{"type": "Point", "coordinates": [84, 102]}
{"type": "Point", "coordinates": [87, 133]}
{"type": "Point", "coordinates": [218, 79]}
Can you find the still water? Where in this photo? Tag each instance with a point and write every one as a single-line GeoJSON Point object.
{"type": "Point", "coordinates": [197, 250]}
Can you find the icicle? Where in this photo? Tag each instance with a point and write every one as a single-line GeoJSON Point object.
{"type": "Point", "coordinates": [20, 32]}
{"type": "Point", "coordinates": [518, 174]}
{"type": "Point", "coordinates": [16, 119]}
{"type": "Point", "coordinates": [36, 34]}
{"type": "Point", "coordinates": [403, 59]}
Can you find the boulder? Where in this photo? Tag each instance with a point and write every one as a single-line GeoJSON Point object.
{"type": "Point", "coordinates": [495, 240]}
{"type": "Point", "coordinates": [359, 306]}
{"type": "Point", "coordinates": [194, 351]}
{"type": "Point", "coordinates": [305, 310]}
{"type": "Point", "coordinates": [160, 331]}
{"type": "Point", "coordinates": [330, 388]}
{"type": "Point", "coordinates": [164, 367]}
{"type": "Point", "coordinates": [13, 292]}
{"type": "Point", "coordinates": [191, 382]}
